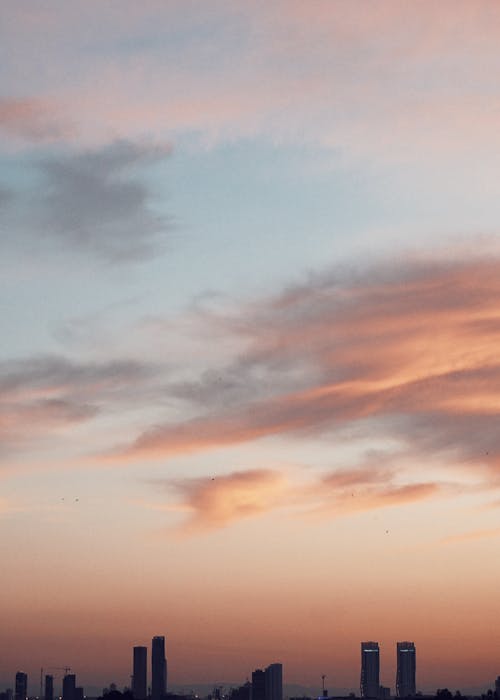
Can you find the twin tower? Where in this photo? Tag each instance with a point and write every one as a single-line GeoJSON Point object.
{"type": "Point", "coordinates": [158, 671]}
{"type": "Point", "coordinates": [370, 671]}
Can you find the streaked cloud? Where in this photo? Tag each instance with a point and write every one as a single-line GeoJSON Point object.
{"type": "Point", "coordinates": [472, 536]}
{"type": "Point", "coordinates": [406, 351]}
{"type": "Point", "coordinates": [32, 119]}
{"type": "Point", "coordinates": [41, 395]}
{"type": "Point", "coordinates": [357, 490]}
{"type": "Point", "coordinates": [216, 501]}
{"type": "Point", "coordinates": [298, 72]}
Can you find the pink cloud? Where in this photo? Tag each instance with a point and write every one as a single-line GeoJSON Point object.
{"type": "Point", "coordinates": [410, 354]}
{"type": "Point", "coordinates": [424, 73]}
{"type": "Point", "coordinates": [32, 120]}
{"type": "Point", "coordinates": [41, 396]}
{"type": "Point", "coordinates": [375, 496]}
{"type": "Point", "coordinates": [215, 502]}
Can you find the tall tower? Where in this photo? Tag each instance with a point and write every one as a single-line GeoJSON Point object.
{"type": "Point", "coordinates": [273, 679]}
{"type": "Point", "coordinates": [158, 669]}
{"type": "Point", "coordinates": [49, 687]}
{"type": "Point", "coordinates": [406, 669]}
{"type": "Point", "coordinates": [370, 670]}
{"type": "Point", "coordinates": [140, 673]}
{"type": "Point", "coordinates": [21, 691]}
{"type": "Point", "coordinates": [258, 684]}
{"type": "Point", "coordinates": [69, 687]}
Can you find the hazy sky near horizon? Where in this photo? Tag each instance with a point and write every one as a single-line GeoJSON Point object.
{"type": "Point", "coordinates": [250, 314]}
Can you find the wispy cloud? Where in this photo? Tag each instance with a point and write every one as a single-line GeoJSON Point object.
{"type": "Point", "coordinates": [298, 71]}
{"type": "Point", "coordinates": [409, 352]}
{"type": "Point", "coordinates": [472, 536]}
{"type": "Point", "coordinates": [217, 501]}
{"type": "Point", "coordinates": [357, 490]}
{"type": "Point", "coordinates": [42, 395]}
{"type": "Point", "coordinates": [31, 119]}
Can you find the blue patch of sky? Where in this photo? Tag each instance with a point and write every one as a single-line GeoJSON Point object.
{"type": "Point", "coordinates": [250, 216]}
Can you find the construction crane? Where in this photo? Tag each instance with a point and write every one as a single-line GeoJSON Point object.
{"type": "Point", "coordinates": [66, 670]}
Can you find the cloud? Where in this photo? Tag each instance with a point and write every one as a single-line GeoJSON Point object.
{"type": "Point", "coordinates": [41, 395]}
{"type": "Point", "coordinates": [92, 202]}
{"type": "Point", "coordinates": [215, 502]}
{"type": "Point", "coordinates": [31, 119]}
{"type": "Point", "coordinates": [22, 423]}
{"type": "Point", "coordinates": [472, 536]}
{"type": "Point", "coordinates": [356, 490]}
{"type": "Point", "coordinates": [39, 375]}
{"type": "Point", "coordinates": [307, 72]}
{"type": "Point", "coordinates": [406, 351]}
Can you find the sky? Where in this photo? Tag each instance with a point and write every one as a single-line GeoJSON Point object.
{"type": "Point", "coordinates": [250, 320]}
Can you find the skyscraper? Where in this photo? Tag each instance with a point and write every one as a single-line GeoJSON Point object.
{"type": "Point", "coordinates": [370, 670]}
{"type": "Point", "coordinates": [69, 687]}
{"type": "Point", "coordinates": [21, 690]}
{"type": "Point", "coordinates": [49, 687]}
{"type": "Point", "coordinates": [158, 669]}
{"type": "Point", "coordinates": [406, 669]}
{"type": "Point", "coordinates": [258, 684]}
{"type": "Point", "coordinates": [274, 682]}
{"type": "Point", "coordinates": [140, 673]}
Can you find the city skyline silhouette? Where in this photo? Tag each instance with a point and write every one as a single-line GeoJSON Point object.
{"type": "Point", "coordinates": [148, 683]}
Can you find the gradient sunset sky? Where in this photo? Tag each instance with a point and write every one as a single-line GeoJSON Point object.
{"type": "Point", "coordinates": [250, 323]}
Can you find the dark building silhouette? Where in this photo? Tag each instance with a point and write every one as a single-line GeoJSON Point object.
{"type": "Point", "coordinates": [140, 673]}
{"type": "Point", "coordinates": [158, 669]}
{"type": "Point", "coordinates": [69, 687]}
{"type": "Point", "coordinates": [244, 692]}
{"type": "Point", "coordinates": [273, 679]}
{"type": "Point", "coordinates": [112, 693]}
{"type": "Point", "coordinates": [258, 685]}
{"type": "Point", "coordinates": [21, 687]}
{"type": "Point", "coordinates": [267, 684]}
{"type": "Point", "coordinates": [49, 688]}
{"type": "Point", "coordinates": [406, 669]}
{"type": "Point", "coordinates": [370, 670]}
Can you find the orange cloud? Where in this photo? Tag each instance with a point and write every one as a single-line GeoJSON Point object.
{"type": "Point", "coordinates": [217, 501]}
{"type": "Point", "coordinates": [374, 498]}
{"type": "Point", "coordinates": [348, 491]}
{"type": "Point", "coordinates": [411, 352]}
{"type": "Point", "coordinates": [472, 536]}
